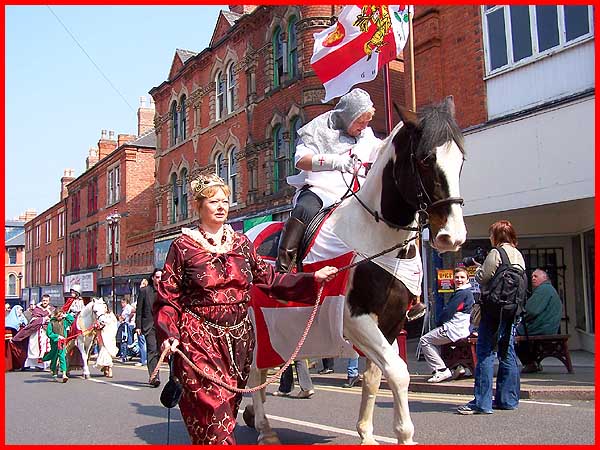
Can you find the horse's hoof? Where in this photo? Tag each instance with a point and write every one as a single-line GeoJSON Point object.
{"type": "Point", "coordinates": [369, 441]}
{"type": "Point", "coordinates": [109, 373]}
{"type": "Point", "coordinates": [248, 416]}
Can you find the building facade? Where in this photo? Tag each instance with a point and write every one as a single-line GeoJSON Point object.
{"type": "Point", "coordinates": [234, 109]}
{"type": "Point", "coordinates": [523, 81]}
{"type": "Point", "coordinates": [14, 258]}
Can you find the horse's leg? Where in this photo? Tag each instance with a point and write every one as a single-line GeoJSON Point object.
{"type": "Point", "coordinates": [364, 333]}
{"type": "Point", "coordinates": [84, 358]}
{"type": "Point", "coordinates": [266, 436]}
{"type": "Point", "coordinates": [370, 386]}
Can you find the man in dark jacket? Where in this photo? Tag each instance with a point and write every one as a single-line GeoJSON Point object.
{"type": "Point", "coordinates": [543, 311]}
{"type": "Point", "coordinates": [144, 324]}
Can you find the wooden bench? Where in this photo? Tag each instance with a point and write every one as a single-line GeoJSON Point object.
{"type": "Point", "coordinates": [463, 351]}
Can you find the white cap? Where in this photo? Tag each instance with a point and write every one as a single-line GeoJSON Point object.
{"type": "Point", "coordinates": [76, 288]}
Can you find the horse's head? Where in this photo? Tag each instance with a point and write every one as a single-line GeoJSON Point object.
{"type": "Point", "coordinates": [425, 173]}
{"type": "Point", "coordinates": [99, 306]}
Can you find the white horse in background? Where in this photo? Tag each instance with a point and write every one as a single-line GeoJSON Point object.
{"type": "Point", "coordinates": [97, 324]}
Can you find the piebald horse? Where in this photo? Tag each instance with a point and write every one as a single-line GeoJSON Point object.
{"type": "Point", "coordinates": [414, 181]}
{"type": "Point", "coordinates": [97, 324]}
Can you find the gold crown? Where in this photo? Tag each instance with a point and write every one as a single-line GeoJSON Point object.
{"type": "Point", "coordinates": [205, 181]}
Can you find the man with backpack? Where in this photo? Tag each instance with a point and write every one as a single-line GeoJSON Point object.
{"type": "Point", "coordinates": [503, 285]}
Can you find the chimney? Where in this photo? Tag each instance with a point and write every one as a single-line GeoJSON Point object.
{"type": "Point", "coordinates": [27, 216]}
{"type": "Point", "coordinates": [124, 138]}
{"type": "Point", "coordinates": [145, 116]}
{"type": "Point", "coordinates": [68, 176]}
{"type": "Point", "coordinates": [92, 158]}
{"type": "Point", "coordinates": [242, 9]}
{"type": "Point", "coordinates": [106, 144]}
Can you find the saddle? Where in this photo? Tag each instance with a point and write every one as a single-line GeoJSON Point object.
{"type": "Point", "coordinates": [311, 229]}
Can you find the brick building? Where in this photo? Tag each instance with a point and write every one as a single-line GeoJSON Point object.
{"type": "Point", "coordinates": [523, 81]}
{"type": "Point", "coordinates": [234, 108]}
{"type": "Point", "coordinates": [71, 242]}
{"type": "Point", "coordinates": [14, 257]}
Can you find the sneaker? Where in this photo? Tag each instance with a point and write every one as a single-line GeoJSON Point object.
{"type": "Point", "coordinates": [325, 371]}
{"type": "Point", "coordinates": [440, 375]}
{"type": "Point", "coordinates": [468, 410]}
{"type": "Point", "coordinates": [304, 394]}
{"type": "Point", "coordinates": [279, 393]}
{"type": "Point", "coordinates": [459, 372]}
{"type": "Point", "coordinates": [155, 382]}
{"type": "Point", "coordinates": [351, 381]}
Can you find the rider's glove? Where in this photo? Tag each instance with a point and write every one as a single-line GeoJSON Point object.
{"type": "Point", "coordinates": [343, 163]}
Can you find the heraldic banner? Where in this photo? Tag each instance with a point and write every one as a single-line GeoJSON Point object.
{"type": "Point", "coordinates": [364, 39]}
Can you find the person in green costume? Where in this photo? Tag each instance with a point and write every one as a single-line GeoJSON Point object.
{"type": "Point", "coordinates": [58, 327]}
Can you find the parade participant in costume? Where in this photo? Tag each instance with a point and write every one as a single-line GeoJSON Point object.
{"type": "Point", "coordinates": [202, 302]}
{"type": "Point", "coordinates": [35, 331]}
{"type": "Point", "coordinates": [15, 319]}
{"type": "Point", "coordinates": [331, 143]}
{"type": "Point", "coordinates": [106, 341]}
{"type": "Point", "coordinates": [16, 351]}
{"type": "Point", "coordinates": [57, 330]}
{"type": "Point", "coordinates": [75, 304]}
{"type": "Point", "coordinates": [29, 311]}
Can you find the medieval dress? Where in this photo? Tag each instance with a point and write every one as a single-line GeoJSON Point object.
{"type": "Point", "coordinates": [202, 300]}
{"type": "Point", "coordinates": [35, 331]}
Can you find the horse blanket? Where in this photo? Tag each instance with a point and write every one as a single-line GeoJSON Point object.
{"type": "Point", "coordinates": [280, 325]}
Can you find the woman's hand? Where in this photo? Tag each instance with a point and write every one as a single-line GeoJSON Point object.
{"type": "Point", "coordinates": [326, 273]}
{"type": "Point", "coordinates": [170, 344]}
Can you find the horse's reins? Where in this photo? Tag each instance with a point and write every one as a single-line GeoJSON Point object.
{"type": "Point", "coordinates": [65, 341]}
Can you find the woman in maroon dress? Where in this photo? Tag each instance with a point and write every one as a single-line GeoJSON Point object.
{"type": "Point", "coordinates": [202, 304]}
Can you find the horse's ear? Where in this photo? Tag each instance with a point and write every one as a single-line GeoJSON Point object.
{"type": "Point", "coordinates": [449, 104]}
{"type": "Point", "coordinates": [408, 117]}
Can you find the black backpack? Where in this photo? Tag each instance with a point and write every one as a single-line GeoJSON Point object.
{"type": "Point", "coordinates": [507, 289]}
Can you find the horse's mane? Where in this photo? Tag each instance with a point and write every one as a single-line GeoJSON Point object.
{"type": "Point", "coordinates": [438, 127]}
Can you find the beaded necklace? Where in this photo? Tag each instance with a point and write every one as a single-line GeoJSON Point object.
{"type": "Point", "coordinates": [210, 240]}
{"type": "Point", "coordinates": [208, 243]}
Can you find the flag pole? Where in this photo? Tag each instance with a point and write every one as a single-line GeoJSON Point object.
{"type": "Point", "coordinates": [387, 99]}
{"type": "Point", "coordinates": [411, 49]}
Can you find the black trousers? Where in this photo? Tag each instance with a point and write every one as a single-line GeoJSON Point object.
{"type": "Point", "coordinates": [307, 206]}
{"type": "Point", "coordinates": [153, 353]}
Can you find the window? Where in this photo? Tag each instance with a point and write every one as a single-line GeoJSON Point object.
{"type": "Point", "coordinates": [61, 224]}
{"type": "Point", "coordinates": [113, 185]}
{"type": "Point", "coordinates": [48, 269]}
{"type": "Point", "coordinates": [92, 198]}
{"type": "Point", "coordinates": [219, 96]}
{"type": "Point", "coordinates": [230, 89]}
{"type": "Point", "coordinates": [296, 124]}
{"type": "Point", "coordinates": [519, 33]}
{"type": "Point", "coordinates": [48, 230]}
{"type": "Point", "coordinates": [12, 256]}
{"type": "Point", "coordinates": [75, 251]}
{"type": "Point", "coordinates": [12, 285]}
{"type": "Point", "coordinates": [174, 198]}
{"type": "Point", "coordinates": [292, 48]}
{"type": "Point", "coordinates": [233, 174]}
{"type": "Point", "coordinates": [38, 271]}
{"type": "Point", "coordinates": [221, 166]}
{"type": "Point", "coordinates": [92, 246]}
{"type": "Point", "coordinates": [37, 236]}
{"type": "Point", "coordinates": [60, 266]}
{"type": "Point", "coordinates": [182, 119]}
{"type": "Point", "coordinates": [280, 159]}
{"type": "Point", "coordinates": [28, 240]}
{"type": "Point", "coordinates": [174, 124]}
{"type": "Point", "coordinates": [109, 241]}
{"type": "Point", "coordinates": [277, 57]}
{"type": "Point", "coordinates": [75, 207]}
{"type": "Point", "coordinates": [184, 194]}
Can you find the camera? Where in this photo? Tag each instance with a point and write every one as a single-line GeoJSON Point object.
{"type": "Point", "coordinates": [478, 257]}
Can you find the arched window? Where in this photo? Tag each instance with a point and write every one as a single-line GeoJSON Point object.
{"type": "Point", "coordinates": [183, 118]}
{"type": "Point", "coordinates": [233, 174]}
{"type": "Point", "coordinates": [279, 159]}
{"type": "Point", "coordinates": [184, 194]}
{"type": "Point", "coordinates": [174, 198]}
{"type": "Point", "coordinates": [12, 284]}
{"type": "Point", "coordinates": [230, 89]}
{"type": "Point", "coordinates": [292, 48]}
{"type": "Point", "coordinates": [277, 57]}
{"type": "Point", "coordinates": [174, 123]}
{"type": "Point", "coordinates": [219, 96]}
{"type": "Point", "coordinates": [295, 125]}
{"type": "Point", "coordinates": [221, 166]}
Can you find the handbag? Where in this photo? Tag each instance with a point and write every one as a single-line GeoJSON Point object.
{"type": "Point", "coordinates": [172, 391]}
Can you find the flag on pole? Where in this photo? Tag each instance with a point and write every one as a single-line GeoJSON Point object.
{"type": "Point", "coordinates": [363, 39]}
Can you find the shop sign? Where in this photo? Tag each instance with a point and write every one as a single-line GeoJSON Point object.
{"type": "Point", "coordinates": [85, 280]}
{"type": "Point", "coordinates": [445, 280]}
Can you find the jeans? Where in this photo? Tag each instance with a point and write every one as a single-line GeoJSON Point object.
{"type": "Point", "coordinates": [125, 333]}
{"type": "Point", "coordinates": [286, 383]}
{"type": "Point", "coordinates": [508, 379]}
{"type": "Point", "coordinates": [352, 367]}
{"type": "Point", "coordinates": [143, 350]}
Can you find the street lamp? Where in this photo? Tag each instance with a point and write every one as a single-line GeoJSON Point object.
{"type": "Point", "coordinates": [20, 277]}
{"type": "Point", "coordinates": [113, 222]}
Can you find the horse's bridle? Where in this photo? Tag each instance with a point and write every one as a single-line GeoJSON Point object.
{"type": "Point", "coordinates": [423, 199]}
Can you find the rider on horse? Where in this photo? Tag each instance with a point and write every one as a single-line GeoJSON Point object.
{"type": "Point", "coordinates": [329, 144]}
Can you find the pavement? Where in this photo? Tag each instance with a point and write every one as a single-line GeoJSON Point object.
{"type": "Point", "coordinates": [553, 383]}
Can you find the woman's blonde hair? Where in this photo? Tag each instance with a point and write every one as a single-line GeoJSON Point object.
{"type": "Point", "coordinates": [205, 186]}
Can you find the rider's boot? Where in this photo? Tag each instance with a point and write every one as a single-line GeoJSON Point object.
{"type": "Point", "coordinates": [416, 311]}
{"type": "Point", "coordinates": [291, 235]}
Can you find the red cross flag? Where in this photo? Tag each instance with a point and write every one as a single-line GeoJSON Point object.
{"type": "Point", "coordinates": [365, 38]}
